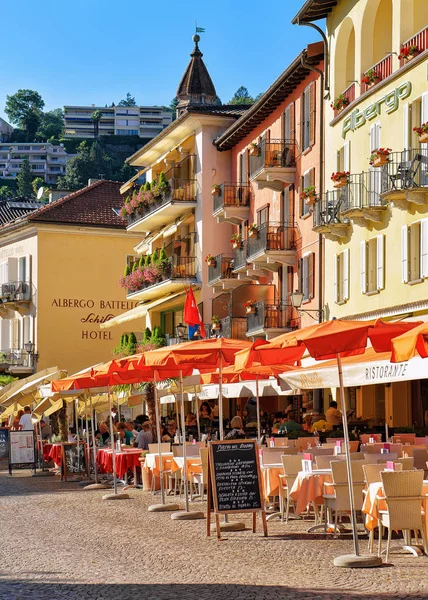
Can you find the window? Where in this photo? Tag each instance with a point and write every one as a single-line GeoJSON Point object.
{"type": "Point", "coordinates": [263, 215]}
{"type": "Point", "coordinates": [170, 320]}
{"type": "Point", "coordinates": [307, 108]}
{"type": "Point", "coordinates": [24, 268]}
{"type": "Point", "coordinates": [341, 276]}
{"type": "Point", "coordinates": [127, 132]}
{"type": "Point", "coordinates": [307, 180]}
{"type": "Point", "coordinates": [243, 168]}
{"type": "Point", "coordinates": [289, 130]}
{"type": "Point", "coordinates": [306, 276]}
{"type": "Point", "coordinates": [372, 265]}
{"type": "Point", "coordinates": [343, 158]}
{"type": "Point", "coordinates": [414, 251]}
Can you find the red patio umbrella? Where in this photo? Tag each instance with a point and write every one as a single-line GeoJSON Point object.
{"type": "Point", "coordinates": [411, 343]}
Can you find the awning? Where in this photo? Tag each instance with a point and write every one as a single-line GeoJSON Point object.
{"type": "Point", "coordinates": [365, 369]}
{"type": "Point", "coordinates": [171, 229]}
{"type": "Point", "coordinates": [144, 245]}
{"type": "Point", "coordinates": [138, 312]}
{"type": "Point", "coordinates": [129, 184]}
{"type": "Point", "coordinates": [31, 385]}
{"type": "Point", "coordinates": [246, 389]}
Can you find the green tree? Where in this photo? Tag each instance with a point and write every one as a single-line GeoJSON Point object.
{"type": "Point", "coordinates": [38, 182]}
{"type": "Point", "coordinates": [96, 118]}
{"type": "Point", "coordinates": [78, 170]}
{"type": "Point", "coordinates": [128, 101]}
{"type": "Point", "coordinates": [241, 96]}
{"type": "Point", "coordinates": [51, 126]}
{"type": "Point", "coordinates": [25, 180]}
{"type": "Point", "coordinates": [6, 192]}
{"type": "Point", "coordinates": [24, 108]}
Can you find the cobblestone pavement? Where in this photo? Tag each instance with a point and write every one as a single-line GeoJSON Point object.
{"type": "Point", "coordinates": [61, 542]}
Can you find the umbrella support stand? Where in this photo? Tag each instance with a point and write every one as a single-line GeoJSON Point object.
{"type": "Point", "coordinates": [42, 472]}
{"type": "Point", "coordinates": [96, 485]}
{"type": "Point", "coordinates": [351, 561]}
{"type": "Point", "coordinates": [115, 495]}
{"type": "Point", "coordinates": [163, 506]}
{"type": "Point", "coordinates": [186, 515]}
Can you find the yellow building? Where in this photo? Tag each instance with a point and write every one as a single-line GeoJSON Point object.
{"type": "Point", "coordinates": [375, 219]}
{"type": "Point", "coordinates": [59, 270]}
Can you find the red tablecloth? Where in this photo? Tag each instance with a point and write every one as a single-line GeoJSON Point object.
{"type": "Point", "coordinates": [55, 454]}
{"type": "Point", "coordinates": [127, 459]}
{"type": "Point", "coordinates": [46, 452]}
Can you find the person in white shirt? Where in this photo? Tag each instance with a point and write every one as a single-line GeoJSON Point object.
{"type": "Point", "coordinates": [25, 422]}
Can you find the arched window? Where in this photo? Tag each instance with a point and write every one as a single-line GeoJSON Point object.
{"type": "Point", "coordinates": [376, 32]}
{"type": "Point", "coordinates": [344, 68]}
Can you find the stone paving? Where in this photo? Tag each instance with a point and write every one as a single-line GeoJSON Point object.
{"type": "Point", "coordinates": [60, 542]}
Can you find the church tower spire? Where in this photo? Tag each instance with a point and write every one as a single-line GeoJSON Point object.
{"type": "Point", "coordinates": [196, 86]}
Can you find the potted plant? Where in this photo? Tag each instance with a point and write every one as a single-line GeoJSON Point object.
{"type": "Point", "coordinates": [216, 190]}
{"type": "Point", "coordinates": [422, 132]}
{"type": "Point", "coordinates": [250, 307]}
{"type": "Point", "coordinates": [371, 78]}
{"type": "Point", "coordinates": [309, 195]}
{"type": "Point", "coordinates": [253, 230]}
{"type": "Point", "coordinates": [340, 103]}
{"type": "Point", "coordinates": [236, 240]}
{"type": "Point", "coordinates": [254, 149]}
{"type": "Point", "coordinates": [210, 260]}
{"type": "Point", "coordinates": [408, 52]}
{"type": "Point", "coordinates": [215, 322]}
{"type": "Point", "coordinates": [379, 157]}
{"type": "Point", "coordinates": [340, 179]}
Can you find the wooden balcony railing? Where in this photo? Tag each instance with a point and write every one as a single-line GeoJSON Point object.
{"type": "Point", "coordinates": [349, 94]}
{"type": "Point", "coordinates": [419, 40]}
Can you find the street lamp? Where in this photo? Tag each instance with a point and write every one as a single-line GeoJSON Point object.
{"type": "Point", "coordinates": [181, 331]}
{"type": "Point", "coordinates": [296, 302]}
{"type": "Point", "coordinates": [29, 349]}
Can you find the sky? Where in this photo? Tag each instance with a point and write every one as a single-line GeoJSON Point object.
{"type": "Point", "coordinates": [95, 51]}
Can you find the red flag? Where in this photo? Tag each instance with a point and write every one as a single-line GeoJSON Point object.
{"type": "Point", "coordinates": [192, 316]}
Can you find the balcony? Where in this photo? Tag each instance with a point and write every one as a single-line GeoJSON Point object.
{"type": "Point", "coordinates": [381, 70]}
{"type": "Point", "coordinates": [240, 257]}
{"type": "Point", "coordinates": [326, 215]}
{"type": "Point", "coordinates": [349, 94]}
{"type": "Point", "coordinates": [272, 246]}
{"type": "Point", "coordinates": [405, 176]}
{"type": "Point", "coordinates": [167, 278]}
{"type": "Point", "coordinates": [221, 275]}
{"type": "Point", "coordinates": [361, 198]}
{"type": "Point", "coordinates": [420, 40]}
{"type": "Point", "coordinates": [15, 293]}
{"type": "Point", "coordinates": [233, 328]}
{"type": "Point", "coordinates": [270, 319]}
{"type": "Point", "coordinates": [16, 362]}
{"type": "Point", "coordinates": [273, 163]}
{"type": "Point", "coordinates": [167, 208]}
{"type": "Point", "coordinates": [232, 203]}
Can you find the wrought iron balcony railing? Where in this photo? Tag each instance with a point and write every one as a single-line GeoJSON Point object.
{"type": "Point", "coordinates": [270, 237]}
{"type": "Point", "coordinates": [15, 291]}
{"type": "Point", "coordinates": [230, 195]}
{"type": "Point", "coordinates": [222, 268]}
{"type": "Point", "coordinates": [381, 70]}
{"type": "Point", "coordinates": [363, 191]}
{"type": "Point", "coordinates": [240, 255]}
{"type": "Point", "coordinates": [267, 315]}
{"type": "Point", "coordinates": [272, 153]}
{"type": "Point", "coordinates": [175, 267]}
{"type": "Point", "coordinates": [233, 328]}
{"type": "Point", "coordinates": [405, 170]}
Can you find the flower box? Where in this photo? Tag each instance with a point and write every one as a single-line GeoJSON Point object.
{"type": "Point", "coordinates": [250, 309]}
{"type": "Point", "coordinates": [252, 233]}
{"type": "Point", "coordinates": [212, 262]}
{"type": "Point", "coordinates": [341, 183]}
{"type": "Point", "coordinates": [236, 245]}
{"type": "Point", "coordinates": [380, 161]}
{"type": "Point", "coordinates": [215, 326]}
{"type": "Point", "coordinates": [216, 191]}
{"type": "Point", "coordinates": [254, 151]}
{"type": "Point", "coordinates": [423, 137]}
{"type": "Point", "coordinates": [310, 200]}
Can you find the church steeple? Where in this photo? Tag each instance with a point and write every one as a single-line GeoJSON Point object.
{"type": "Point", "coordinates": [196, 86]}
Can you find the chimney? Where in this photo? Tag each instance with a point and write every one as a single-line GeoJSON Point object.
{"type": "Point", "coordinates": [92, 180]}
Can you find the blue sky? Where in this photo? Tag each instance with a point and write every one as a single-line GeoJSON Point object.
{"type": "Point", "coordinates": [94, 51]}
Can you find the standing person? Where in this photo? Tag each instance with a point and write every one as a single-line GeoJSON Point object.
{"type": "Point", "coordinates": [15, 422]}
{"type": "Point", "coordinates": [250, 412]}
{"type": "Point", "coordinates": [45, 429]}
{"type": "Point", "coordinates": [333, 414]}
{"type": "Point", "coordinates": [237, 431]}
{"type": "Point", "coordinates": [25, 422]}
{"type": "Point", "coordinates": [205, 415]}
{"type": "Point", "coordinates": [145, 437]}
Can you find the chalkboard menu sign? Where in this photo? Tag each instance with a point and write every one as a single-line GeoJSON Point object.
{"type": "Point", "coordinates": [236, 480]}
{"type": "Point", "coordinates": [73, 459]}
{"type": "Point", "coordinates": [21, 449]}
{"type": "Point", "coordinates": [4, 443]}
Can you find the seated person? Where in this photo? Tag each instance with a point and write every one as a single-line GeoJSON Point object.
{"type": "Point", "coordinates": [145, 437]}
{"type": "Point", "coordinates": [131, 427]}
{"type": "Point", "coordinates": [277, 420]}
{"type": "Point", "coordinates": [321, 424]}
{"type": "Point", "coordinates": [45, 429]}
{"type": "Point", "coordinates": [237, 431]}
{"type": "Point", "coordinates": [191, 420]}
{"type": "Point", "coordinates": [307, 422]}
{"type": "Point", "coordinates": [205, 415]}
{"type": "Point", "coordinates": [125, 436]}
{"type": "Point", "coordinates": [333, 415]}
{"type": "Point", "coordinates": [102, 432]}
{"type": "Point", "coordinates": [291, 424]}
{"type": "Point", "coordinates": [250, 412]}
{"type": "Point", "coordinates": [169, 434]}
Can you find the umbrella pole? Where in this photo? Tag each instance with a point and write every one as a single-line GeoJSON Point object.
{"type": "Point", "coordinates": [353, 560]}
{"type": "Point", "coordinates": [94, 447]}
{"type": "Point", "coordinates": [197, 416]}
{"type": "Point", "coordinates": [259, 434]}
{"type": "Point", "coordinates": [87, 435]}
{"type": "Point", "coordinates": [220, 396]}
{"type": "Point", "coordinates": [115, 495]}
{"type": "Point", "coordinates": [76, 417]}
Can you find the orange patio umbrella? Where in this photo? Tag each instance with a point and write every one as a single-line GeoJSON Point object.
{"type": "Point", "coordinates": [411, 343]}
{"type": "Point", "coordinates": [334, 339]}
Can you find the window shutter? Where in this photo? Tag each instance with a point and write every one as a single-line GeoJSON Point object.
{"type": "Point", "coordinates": [300, 125]}
{"type": "Point", "coordinates": [424, 248]}
{"type": "Point", "coordinates": [5, 335]}
{"type": "Point", "coordinates": [302, 202]}
{"type": "Point", "coordinates": [16, 333]}
{"type": "Point", "coordinates": [345, 274]}
{"type": "Point", "coordinates": [240, 169]}
{"type": "Point", "coordinates": [292, 122]}
{"type": "Point", "coordinates": [12, 268]}
{"type": "Point", "coordinates": [380, 262]}
{"type": "Point", "coordinates": [346, 157]}
{"type": "Point", "coordinates": [4, 272]}
{"type": "Point", "coordinates": [311, 275]}
{"type": "Point", "coordinates": [404, 254]}
{"type": "Point", "coordinates": [312, 176]}
{"type": "Point", "coordinates": [405, 126]}
{"type": "Point", "coordinates": [363, 266]}
{"type": "Point", "coordinates": [300, 275]}
{"type": "Point", "coordinates": [305, 265]}
{"type": "Point", "coordinates": [424, 108]}
{"type": "Point", "coordinates": [312, 113]}
{"type": "Point", "coordinates": [335, 278]}
{"type": "Point", "coordinates": [374, 137]}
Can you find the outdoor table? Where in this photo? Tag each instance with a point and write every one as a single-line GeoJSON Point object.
{"type": "Point", "coordinates": [309, 487]}
{"type": "Point", "coordinates": [152, 463]}
{"type": "Point", "coordinates": [271, 481]}
{"type": "Point", "coordinates": [55, 454]}
{"type": "Point", "coordinates": [46, 452]}
{"type": "Point", "coordinates": [125, 459]}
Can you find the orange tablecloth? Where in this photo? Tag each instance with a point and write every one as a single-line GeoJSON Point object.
{"type": "Point", "coordinates": [308, 487]}
{"type": "Point", "coordinates": [271, 479]}
{"type": "Point", "coordinates": [126, 459]}
{"type": "Point", "coordinates": [372, 506]}
{"type": "Point", "coordinates": [168, 463]}
{"type": "Point", "coordinates": [55, 454]}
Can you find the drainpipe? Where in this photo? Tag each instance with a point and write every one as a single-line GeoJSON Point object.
{"type": "Point", "coordinates": [318, 396]}
{"type": "Point", "coordinates": [326, 52]}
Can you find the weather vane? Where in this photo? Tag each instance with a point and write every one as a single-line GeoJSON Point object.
{"type": "Point", "coordinates": [199, 29]}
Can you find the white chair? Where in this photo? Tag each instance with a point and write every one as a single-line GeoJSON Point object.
{"type": "Point", "coordinates": [372, 475]}
{"type": "Point", "coordinates": [324, 461]}
{"type": "Point", "coordinates": [271, 456]}
{"type": "Point", "coordinates": [201, 479]}
{"type": "Point", "coordinates": [165, 447]}
{"type": "Point", "coordinates": [403, 496]}
{"type": "Point", "coordinates": [292, 465]}
{"type": "Point", "coordinates": [336, 494]}
{"type": "Point", "coordinates": [374, 458]}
